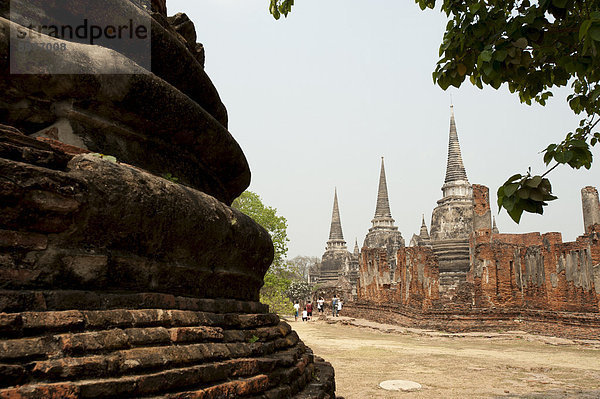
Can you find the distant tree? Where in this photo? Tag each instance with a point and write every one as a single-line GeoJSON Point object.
{"type": "Point", "coordinates": [533, 47]}
{"type": "Point", "coordinates": [251, 204]}
{"type": "Point", "coordinates": [275, 291]}
{"type": "Point", "coordinates": [300, 265]}
{"type": "Point", "coordinates": [299, 291]}
{"type": "Point", "coordinates": [277, 279]}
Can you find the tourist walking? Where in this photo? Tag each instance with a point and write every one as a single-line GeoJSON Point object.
{"type": "Point", "coordinates": [334, 305]}
{"type": "Point", "coordinates": [339, 309]}
{"type": "Point", "coordinates": [304, 315]}
{"type": "Point", "coordinates": [320, 304]}
{"type": "Point", "coordinates": [297, 310]}
{"type": "Point", "coordinates": [309, 310]}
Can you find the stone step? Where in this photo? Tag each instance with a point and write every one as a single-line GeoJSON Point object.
{"type": "Point", "coordinates": [132, 353]}
{"type": "Point", "coordinates": [458, 254]}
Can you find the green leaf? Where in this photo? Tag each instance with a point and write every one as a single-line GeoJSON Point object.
{"type": "Point", "coordinates": [510, 189]}
{"type": "Point", "coordinates": [509, 203]}
{"type": "Point", "coordinates": [515, 214]}
{"type": "Point", "coordinates": [563, 156]}
{"type": "Point", "coordinates": [578, 143]}
{"type": "Point", "coordinates": [500, 55]}
{"type": "Point", "coordinates": [523, 193]}
{"type": "Point", "coordinates": [486, 55]}
{"type": "Point", "coordinates": [584, 28]}
{"type": "Point", "coordinates": [521, 43]}
{"type": "Point", "coordinates": [545, 186]}
{"type": "Point", "coordinates": [537, 196]}
{"type": "Point", "coordinates": [559, 3]}
{"type": "Point", "coordinates": [513, 178]}
{"type": "Point", "coordinates": [534, 181]}
{"type": "Point", "coordinates": [595, 33]}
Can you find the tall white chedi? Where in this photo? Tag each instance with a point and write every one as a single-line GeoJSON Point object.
{"type": "Point", "coordinates": [452, 218]}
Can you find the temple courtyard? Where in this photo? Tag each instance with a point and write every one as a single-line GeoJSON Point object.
{"type": "Point", "coordinates": [502, 364]}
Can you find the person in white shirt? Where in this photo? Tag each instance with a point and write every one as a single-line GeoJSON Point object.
{"type": "Point", "coordinates": [297, 309]}
{"type": "Point", "coordinates": [304, 315]}
{"type": "Point", "coordinates": [320, 304]}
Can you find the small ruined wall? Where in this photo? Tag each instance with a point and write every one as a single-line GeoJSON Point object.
{"type": "Point", "coordinates": [558, 324]}
{"type": "Point", "coordinates": [537, 272]}
{"type": "Point", "coordinates": [375, 276]}
{"type": "Point", "coordinates": [414, 282]}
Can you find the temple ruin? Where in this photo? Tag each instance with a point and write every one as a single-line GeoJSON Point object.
{"type": "Point", "coordinates": [464, 274]}
{"type": "Point", "coordinates": [337, 272]}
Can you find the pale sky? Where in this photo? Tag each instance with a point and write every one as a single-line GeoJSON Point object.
{"type": "Point", "coordinates": [315, 101]}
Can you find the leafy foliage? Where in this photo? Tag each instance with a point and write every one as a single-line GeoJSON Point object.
{"type": "Point", "coordinates": [277, 279]}
{"type": "Point", "coordinates": [251, 204]}
{"type": "Point", "coordinates": [170, 177]}
{"type": "Point", "coordinates": [532, 47]}
{"type": "Point", "coordinates": [280, 7]}
{"type": "Point", "coordinates": [524, 193]}
{"type": "Point", "coordinates": [274, 292]}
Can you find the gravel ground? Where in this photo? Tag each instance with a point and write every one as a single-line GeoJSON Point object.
{"type": "Point", "coordinates": [476, 365]}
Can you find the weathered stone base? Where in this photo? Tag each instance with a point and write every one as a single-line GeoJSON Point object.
{"type": "Point", "coordinates": [558, 324]}
{"type": "Point", "coordinates": [205, 349]}
{"type": "Point", "coordinates": [113, 286]}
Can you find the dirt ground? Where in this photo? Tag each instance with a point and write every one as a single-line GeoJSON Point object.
{"type": "Point", "coordinates": [500, 365]}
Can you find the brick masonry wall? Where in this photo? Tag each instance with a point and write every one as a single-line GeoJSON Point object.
{"type": "Point", "coordinates": [414, 282]}
{"type": "Point", "coordinates": [536, 271]}
{"type": "Point", "coordinates": [507, 271]}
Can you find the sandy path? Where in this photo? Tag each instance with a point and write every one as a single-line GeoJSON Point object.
{"type": "Point", "coordinates": [503, 365]}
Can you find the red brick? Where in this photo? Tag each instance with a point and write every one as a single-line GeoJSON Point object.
{"type": "Point", "coordinates": [53, 320]}
{"type": "Point", "coordinates": [46, 391]}
{"type": "Point", "coordinates": [62, 147]}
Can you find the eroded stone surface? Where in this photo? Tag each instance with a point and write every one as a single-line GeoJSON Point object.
{"type": "Point", "coordinates": [133, 226]}
{"type": "Point", "coordinates": [173, 113]}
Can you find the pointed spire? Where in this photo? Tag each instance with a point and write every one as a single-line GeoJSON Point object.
{"type": "Point", "coordinates": [356, 249]}
{"type": "Point", "coordinates": [335, 233]}
{"type": "Point", "coordinates": [424, 234]}
{"type": "Point", "coordinates": [494, 227]}
{"type": "Point", "coordinates": [383, 204]}
{"type": "Point", "coordinates": [455, 169]}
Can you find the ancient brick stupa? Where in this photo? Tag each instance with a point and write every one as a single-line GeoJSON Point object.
{"type": "Point", "coordinates": [336, 260]}
{"type": "Point", "coordinates": [452, 219]}
{"type": "Point", "coordinates": [124, 271]}
{"type": "Point", "coordinates": [383, 232]}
